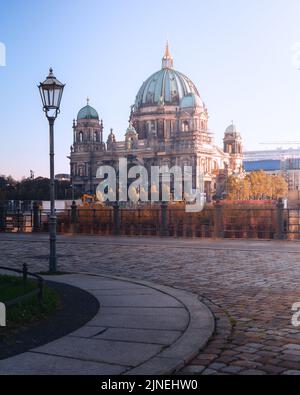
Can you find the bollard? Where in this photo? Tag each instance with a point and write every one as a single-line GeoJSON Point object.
{"type": "Point", "coordinates": [25, 272]}
{"type": "Point", "coordinates": [2, 217]}
{"type": "Point", "coordinates": [41, 290]}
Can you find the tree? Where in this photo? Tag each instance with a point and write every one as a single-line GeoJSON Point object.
{"type": "Point", "coordinates": [280, 187]}
{"type": "Point", "coordinates": [234, 188]}
{"type": "Point", "coordinates": [257, 186]}
{"type": "Point", "coordinates": [37, 189]}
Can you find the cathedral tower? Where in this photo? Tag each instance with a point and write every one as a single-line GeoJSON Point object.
{"type": "Point", "coordinates": [233, 145]}
{"type": "Point", "coordinates": [87, 141]}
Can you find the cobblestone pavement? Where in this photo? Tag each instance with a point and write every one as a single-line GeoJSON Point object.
{"type": "Point", "coordinates": [250, 287]}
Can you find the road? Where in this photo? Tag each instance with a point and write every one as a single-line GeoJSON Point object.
{"type": "Point", "coordinates": [250, 286]}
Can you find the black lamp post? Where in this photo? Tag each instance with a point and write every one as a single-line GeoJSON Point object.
{"type": "Point", "coordinates": [51, 91]}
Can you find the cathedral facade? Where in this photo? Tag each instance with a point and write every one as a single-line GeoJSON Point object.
{"type": "Point", "coordinates": [168, 126]}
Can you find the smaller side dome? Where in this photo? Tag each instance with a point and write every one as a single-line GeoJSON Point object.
{"type": "Point", "coordinates": [232, 129]}
{"type": "Point", "coordinates": [191, 100]}
{"type": "Point", "coordinates": [87, 112]}
{"type": "Point", "coordinates": [131, 130]}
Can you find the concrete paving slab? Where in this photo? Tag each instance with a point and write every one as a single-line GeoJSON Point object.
{"type": "Point", "coordinates": [98, 350]}
{"type": "Point", "coordinates": [32, 363]}
{"type": "Point", "coordinates": [124, 291]}
{"type": "Point", "coordinates": [158, 366]}
{"type": "Point", "coordinates": [154, 300]}
{"type": "Point", "coordinates": [178, 312]}
{"type": "Point", "coordinates": [140, 321]}
{"type": "Point", "coordinates": [88, 331]}
{"type": "Point", "coordinates": [96, 283]}
{"type": "Point", "coordinates": [153, 336]}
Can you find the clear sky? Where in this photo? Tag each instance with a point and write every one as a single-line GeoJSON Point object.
{"type": "Point", "coordinates": [237, 52]}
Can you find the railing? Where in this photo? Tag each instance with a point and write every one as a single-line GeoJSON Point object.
{"type": "Point", "coordinates": [25, 274]}
{"type": "Point", "coordinates": [292, 224]}
{"type": "Point", "coordinates": [254, 223]}
{"type": "Point", "coordinates": [219, 220]}
{"type": "Point", "coordinates": [21, 217]}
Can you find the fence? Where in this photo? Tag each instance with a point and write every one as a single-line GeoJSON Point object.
{"type": "Point", "coordinates": [220, 220]}
{"type": "Point", "coordinates": [27, 295]}
{"type": "Point", "coordinates": [292, 224]}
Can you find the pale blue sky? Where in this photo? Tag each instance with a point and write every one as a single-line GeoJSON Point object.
{"type": "Point", "coordinates": [237, 52]}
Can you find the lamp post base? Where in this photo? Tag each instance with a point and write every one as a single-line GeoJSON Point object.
{"type": "Point", "coordinates": [53, 257]}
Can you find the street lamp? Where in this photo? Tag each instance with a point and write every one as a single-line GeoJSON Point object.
{"type": "Point", "coordinates": [51, 91]}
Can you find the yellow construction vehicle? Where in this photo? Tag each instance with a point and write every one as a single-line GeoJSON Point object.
{"type": "Point", "coordinates": [88, 200]}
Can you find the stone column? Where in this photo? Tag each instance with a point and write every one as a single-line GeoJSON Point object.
{"type": "Point", "coordinates": [36, 218]}
{"type": "Point", "coordinates": [164, 230]}
{"type": "Point", "coordinates": [73, 213]}
{"type": "Point", "coordinates": [218, 221]}
{"type": "Point", "coordinates": [116, 220]}
{"type": "Point", "coordinates": [280, 220]}
{"type": "Point", "coordinates": [74, 217]}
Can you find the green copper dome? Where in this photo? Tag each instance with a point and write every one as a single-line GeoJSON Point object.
{"type": "Point", "coordinates": [87, 112]}
{"type": "Point", "coordinates": [167, 87]}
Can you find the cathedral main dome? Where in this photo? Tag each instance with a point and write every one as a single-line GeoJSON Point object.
{"type": "Point", "coordinates": [166, 87]}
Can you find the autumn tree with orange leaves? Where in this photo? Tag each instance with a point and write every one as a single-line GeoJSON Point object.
{"type": "Point", "coordinates": [257, 186]}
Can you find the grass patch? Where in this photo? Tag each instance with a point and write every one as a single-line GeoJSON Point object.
{"type": "Point", "coordinates": [29, 310]}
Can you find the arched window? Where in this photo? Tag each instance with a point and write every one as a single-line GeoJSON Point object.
{"type": "Point", "coordinates": [185, 126]}
{"type": "Point", "coordinates": [153, 126]}
{"type": "Point", "coordinates": [81, 171]}
{"type": "Point", "coordinates": [95, 136]}
{"type": "Point", "coordinates": [80, 137]}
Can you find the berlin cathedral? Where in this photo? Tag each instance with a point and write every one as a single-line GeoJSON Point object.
{"type": "Point", "coordinates": [168, 126]}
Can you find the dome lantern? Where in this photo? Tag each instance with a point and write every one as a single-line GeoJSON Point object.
{"type": "Point", "coordinates": [167, 60]}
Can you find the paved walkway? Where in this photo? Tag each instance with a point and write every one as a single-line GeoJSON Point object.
{"type": "Point", "coordinates": [140, 329]}
{"type": "Point", "coordinates": [251, 285]}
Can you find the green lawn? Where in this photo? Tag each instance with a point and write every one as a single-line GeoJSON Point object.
{"type": "Point", "coordinates": [29, 310]}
